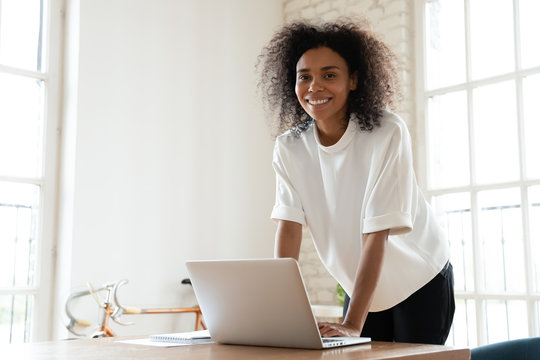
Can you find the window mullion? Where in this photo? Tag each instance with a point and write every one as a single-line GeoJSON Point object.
{"type": "Point", "coordinates": [483, 82]}
{"type": "Point", "coordinates": [477, 261]}
{"type": "Point", "coordinates": [22, 180]}
{"type": "Point", "coordinates": [517, 36]}
{"type": "Point", "coordinates": [478, 272]}
{"type": "Point", "coordinates": [21, 72]}
{"type": "Point", "coordinates": [527, 253]}
{"type": "Point", "coordinates": [43, 316]}
{"type": "Point", "coordinates": [422, 151]}
{"type": "Point", "coordinates": [523, 173]}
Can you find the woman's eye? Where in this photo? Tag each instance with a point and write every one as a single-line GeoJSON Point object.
{"type": "Point", "coordinates": [330, 76]}
{"type": "Point", "coordinates": [303, 77]}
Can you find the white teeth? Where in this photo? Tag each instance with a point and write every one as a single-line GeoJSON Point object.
{"type": "Point", "coordinates": [318, 102]}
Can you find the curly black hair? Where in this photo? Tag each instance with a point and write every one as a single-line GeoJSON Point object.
{"type": "Point", "coordinates": [376, 66]}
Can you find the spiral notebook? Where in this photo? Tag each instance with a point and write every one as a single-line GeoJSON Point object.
{"type": "Point", "coordinates": [192, 337]}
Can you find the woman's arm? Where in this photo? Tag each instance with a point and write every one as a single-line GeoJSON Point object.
{"type": "Point", "coordinates": [367, 277]}
{"type": "Point", "coordinates": [288, 239]}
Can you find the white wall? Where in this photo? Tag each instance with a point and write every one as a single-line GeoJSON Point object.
{"type": "Point", "coordinates": [167, 156]}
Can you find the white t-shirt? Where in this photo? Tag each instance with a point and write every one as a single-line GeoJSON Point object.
{"type": "Point", "coordinates": [364, 183]}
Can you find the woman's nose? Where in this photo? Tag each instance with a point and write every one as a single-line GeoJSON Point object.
{"type": "Point", "coordinates": [315, 86]}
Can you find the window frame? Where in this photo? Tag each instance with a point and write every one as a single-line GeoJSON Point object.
{"type": "Point", "coordinates": [42, 322]}
{"type": "Point", "coordinates": [478, 295]}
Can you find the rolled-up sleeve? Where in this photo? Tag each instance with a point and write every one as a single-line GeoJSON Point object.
{"type": "Point", "coordinates": [389, 203]}
{"type": "Point", "coordinates": [288, 205]}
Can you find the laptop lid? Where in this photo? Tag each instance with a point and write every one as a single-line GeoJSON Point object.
{"type": "Point", "coordinates": [259, 302]}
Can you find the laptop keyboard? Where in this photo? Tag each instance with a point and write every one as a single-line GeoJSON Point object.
{"type": "Point", "coordinates": [332, 342]}
{"type": "Point", "coordinates": [329, 340]}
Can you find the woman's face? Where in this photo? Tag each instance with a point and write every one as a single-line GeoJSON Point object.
{"type": "Point", "coordinates": [323, 84]}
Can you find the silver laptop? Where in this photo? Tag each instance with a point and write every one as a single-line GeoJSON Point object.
{"type": "Point", "coordinates": [260, 302]}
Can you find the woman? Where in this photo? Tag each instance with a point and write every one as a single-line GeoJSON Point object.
{"type": "Point", "coordinates": [344, 169]}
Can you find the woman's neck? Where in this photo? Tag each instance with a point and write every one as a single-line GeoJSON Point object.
{"type": "Point", "coordinates": [329, 134]}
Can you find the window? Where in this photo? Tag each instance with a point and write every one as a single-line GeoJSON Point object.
{"type": "Point", "coordinates": [479, 89]}
{"type": "Point", "coordinates": [28, 122]}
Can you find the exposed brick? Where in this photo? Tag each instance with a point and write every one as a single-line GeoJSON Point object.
{"type": "Point", "coordinates": [394, 21]}
{"type": "Point", "coordinates": [340, 5]}
{"type": "Point", "coordinates": [323, 7]}
{"type": "Point", "coordinates": [330, 15]}
{"type": "Point", "coordinates": [396, 7]}
{"type": "Point", "coordinates": [358, 10]}
{"type": "Point", "coordinates": [308, 13]}
{"type": "Point", "coordinates": [374, 14]}
{"type": "Point", "coordinates": [398, 35]}
{"type": "Point", "coordinates": [291, 6]}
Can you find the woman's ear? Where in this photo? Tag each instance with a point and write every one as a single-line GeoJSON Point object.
{"type": "Point", "coordinates": [353, 83]}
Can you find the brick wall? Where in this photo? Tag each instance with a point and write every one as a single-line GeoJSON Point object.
{"type": "Point", "coordinates": [392, 20]}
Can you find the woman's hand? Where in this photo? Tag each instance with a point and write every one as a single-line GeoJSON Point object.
{"type": "Point", "coordinates": [328, 329]}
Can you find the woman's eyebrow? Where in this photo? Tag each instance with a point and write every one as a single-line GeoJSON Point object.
{"type": "Point", "coordinates": [324, 68]}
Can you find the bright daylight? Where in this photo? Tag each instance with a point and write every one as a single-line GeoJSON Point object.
{"type": "Point", "coordinates": [159, 158]}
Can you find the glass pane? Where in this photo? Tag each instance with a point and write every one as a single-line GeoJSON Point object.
{"type": "Point", "coordinates": [496, 321]}
{"type": "Point", "coordinates": [517, 319]}
{"type": "Point", "coordinates": [463, 332]}
{"type": "Point", "coordinates": [534, 215]}
{"type": "Point", "coordinates": [21, 34]}
{"type": "Point", "coordinates": [506, 320]}
{"type": "Point", "coordinates": [448, 140]}
{"type": "Point", "coordinates": [454, 212]}
{"type": "Point", "coordinates": [15, 314]}
{"type": "Point", "coordinates": [445, 43]}
{"type": "Point", "coordinates": [21, 126]}
{"type": "Point", "coordinates": [18, 223]}
{"type": "Point", "coordinates": [529, 11]}
{"type": "Point", "coordinates": [495, 133]}
{"type": "Point", "coordinates": [531, 116]}
{"type": "Point", "coordinates": [501, 240]}
{"type": "Point", "coordinates": [492, 37]}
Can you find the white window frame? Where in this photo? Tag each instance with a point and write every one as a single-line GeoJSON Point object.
{"type": "Point", "coordinates": [422, 95]}
{"type": "Point", "coordinates": [41, 322]}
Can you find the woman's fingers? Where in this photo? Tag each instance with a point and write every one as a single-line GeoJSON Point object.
{"type": "Point", "coordinates": [328, 329]}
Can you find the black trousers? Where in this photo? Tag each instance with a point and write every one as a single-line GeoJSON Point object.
{"type": "Point", "coordinates": [424, 317]}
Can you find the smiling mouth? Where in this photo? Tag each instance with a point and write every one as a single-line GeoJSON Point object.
{"type": "Point", "coordinates": [317, 101]}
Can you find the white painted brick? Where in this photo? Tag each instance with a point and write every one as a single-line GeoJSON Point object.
{"type": "Point", "coordinates": [340, 5]}
{"type": "Point", "coordinates": [394, 21]}
{"type": "Point", "coordinates": [398, 35]}
{"type": "Point", "coordinates": [406, 75]}
{"type": "Point", "coordinates": [295, 5]}
{"type": "Point", "coordinates": [407, 90]}
{"type": "Point", "coordinates": [309, 270]}
{"type": "Point", "coordinates": [401, 50]}
{"type": "Point", "coordinates": [330, 15]}
{"type": "Point", "coordinates": [308, 13]}
{"type": "Point", "coordinates": [397, 7]}
{"type": "Point", "coordinates": [323, 282]}
{"type": "Point", "coordinates": [357, 10]}
{"type": "Point", "coordinates": [374, 14]}
{"type": "Point", "coordinates": [323, 7]}
{"type": "Point", "coordinates": [327, 298]}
